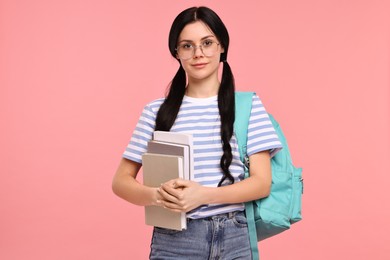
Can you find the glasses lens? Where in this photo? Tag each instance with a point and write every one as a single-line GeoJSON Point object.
{"type": "Point", "coordinates": [209, 49]}
{"type": "Point", "coordinates": [187, 51]}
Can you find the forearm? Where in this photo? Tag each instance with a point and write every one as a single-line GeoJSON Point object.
{"type": "Point", "coordinates": [134, 192]}
{"type": "Point", "coordinates": [257, 186]}
{"type": "Point", "coordinates": [191, 194]}
{"type": "Point", "coordinates": [126, 186]}
{"type": "Point", "coordinates": [246, 190]}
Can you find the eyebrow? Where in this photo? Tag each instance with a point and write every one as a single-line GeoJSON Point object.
{"type": "Point", "coordinates": [203, 38]}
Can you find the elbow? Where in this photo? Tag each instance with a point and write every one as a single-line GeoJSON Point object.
{"type": "Point", "coordinates": [265, 190]}
{"type": "Point", "coordinates": [115, 186]}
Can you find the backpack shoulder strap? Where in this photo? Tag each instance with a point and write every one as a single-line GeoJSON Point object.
{"type": "Point", "coordinates": [243, 107]}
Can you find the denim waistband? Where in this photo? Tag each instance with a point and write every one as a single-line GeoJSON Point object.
{"type": "Point", "coordinates": [227, 215]}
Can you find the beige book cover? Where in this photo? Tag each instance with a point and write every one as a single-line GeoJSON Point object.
{"type": "Point", "coordinates": [182, 150]}
{"type": "Point", "coordinates": [178, 138]}
{"type": "Point", "coordinates": [157, 169]}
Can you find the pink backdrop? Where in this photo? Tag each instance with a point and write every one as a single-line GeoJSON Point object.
{"type": "Point", "coordinates": [75, 75]}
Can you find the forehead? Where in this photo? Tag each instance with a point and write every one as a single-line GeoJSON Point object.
{"type": "Point", "coordinates": [195, 31]}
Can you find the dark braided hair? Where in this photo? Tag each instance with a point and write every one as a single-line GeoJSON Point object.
{"type": "Point", "coordinates": [168, 111]}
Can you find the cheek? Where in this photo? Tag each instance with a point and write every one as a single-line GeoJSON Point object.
{"type": "Point", "coordinates": [185, 64]}
{"type": "Point", "coordinates": [217, 60]}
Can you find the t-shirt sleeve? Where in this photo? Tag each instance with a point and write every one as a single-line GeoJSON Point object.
{"type": "Point", "coordinates": [261, 133]}
{"type": "Point", "coordinates": [143, 133]}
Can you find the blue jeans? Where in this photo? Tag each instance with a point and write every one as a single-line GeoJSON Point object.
{"type": "Point", "coordinates": [223, 236]}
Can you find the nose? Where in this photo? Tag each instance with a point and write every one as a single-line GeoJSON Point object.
{"type": "Point", "coordinates": [198, 52]}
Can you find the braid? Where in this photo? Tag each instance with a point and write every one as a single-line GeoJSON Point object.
{"type": "Point", "coordinates": [226, 107]}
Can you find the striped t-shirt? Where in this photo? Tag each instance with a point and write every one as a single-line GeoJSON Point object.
{"type": "Point", "coordinates": [200, 117]}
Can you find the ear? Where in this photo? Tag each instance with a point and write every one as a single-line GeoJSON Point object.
{"type": "Point", "coordinates": [222, 49]}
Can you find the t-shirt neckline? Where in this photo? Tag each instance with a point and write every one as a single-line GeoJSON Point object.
{"type": "Point", "coordinates": [200, 100]}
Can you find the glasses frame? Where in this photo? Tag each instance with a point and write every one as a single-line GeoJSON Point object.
{"type": "Point", "coordinates": [194, 47]}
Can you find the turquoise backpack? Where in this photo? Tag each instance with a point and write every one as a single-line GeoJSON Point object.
{"type": "Point", "coordinates": [274, 214]}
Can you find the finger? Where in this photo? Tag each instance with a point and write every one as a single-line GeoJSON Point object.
{"type": "Point", "coordinates": [172, 206]}
{"type": "Point", "coordinates": [166, 195]}
{"type": "Point", "coordinates": [180, 183]}
{"type": "Point", "coordinates": [177, 207]}
{"type": "Point", "coordinates": [169, 188]}
{"type": "Point", "coordinates": [170, 183]}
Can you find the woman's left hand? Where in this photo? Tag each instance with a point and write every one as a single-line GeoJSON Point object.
{"type": "Point", "coordinates": [181, 195]}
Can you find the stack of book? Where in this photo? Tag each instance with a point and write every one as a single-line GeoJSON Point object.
{"type": "Point", "coordinates": [169, 156]}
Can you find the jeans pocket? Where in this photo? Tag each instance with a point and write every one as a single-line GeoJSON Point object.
{"type": "Point", "coordinates": [240, 220]}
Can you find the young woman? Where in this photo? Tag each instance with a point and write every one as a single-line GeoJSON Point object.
{"type": "Point", "coordinates": [200, 104]}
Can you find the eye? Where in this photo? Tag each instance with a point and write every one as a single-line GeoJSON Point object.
{"type": "Point", "coordinates": [207, 43]}
{"type": "Point", "coordinates": [186, 46]}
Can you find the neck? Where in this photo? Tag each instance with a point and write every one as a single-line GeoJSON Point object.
{"type": "Point", "coordinates": [203, 88]}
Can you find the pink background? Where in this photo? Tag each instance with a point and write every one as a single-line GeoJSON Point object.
{"type": "Point", "coordinates": [74, 76]}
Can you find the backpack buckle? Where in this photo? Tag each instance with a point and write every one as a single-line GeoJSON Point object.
{"type": "Point", "coordinates": [246, 161]}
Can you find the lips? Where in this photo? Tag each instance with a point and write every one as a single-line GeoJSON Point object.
{"type": "Point", "coordinates": [199, 65]}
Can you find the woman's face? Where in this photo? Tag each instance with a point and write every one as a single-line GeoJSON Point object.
{"type": "Point", "coordinates": [200, 65]}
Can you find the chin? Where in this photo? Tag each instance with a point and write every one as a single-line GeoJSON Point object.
{"type": "Point", "coordinates": [200, 75]}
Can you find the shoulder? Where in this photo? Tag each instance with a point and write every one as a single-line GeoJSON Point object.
{"type": "Point", "coordinates": [154, 105]}
{"type": "Point", "coordinates": [256, 99]}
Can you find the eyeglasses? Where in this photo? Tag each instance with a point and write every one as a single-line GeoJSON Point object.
{"type": "Point", "coordinates": [186, 51]}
